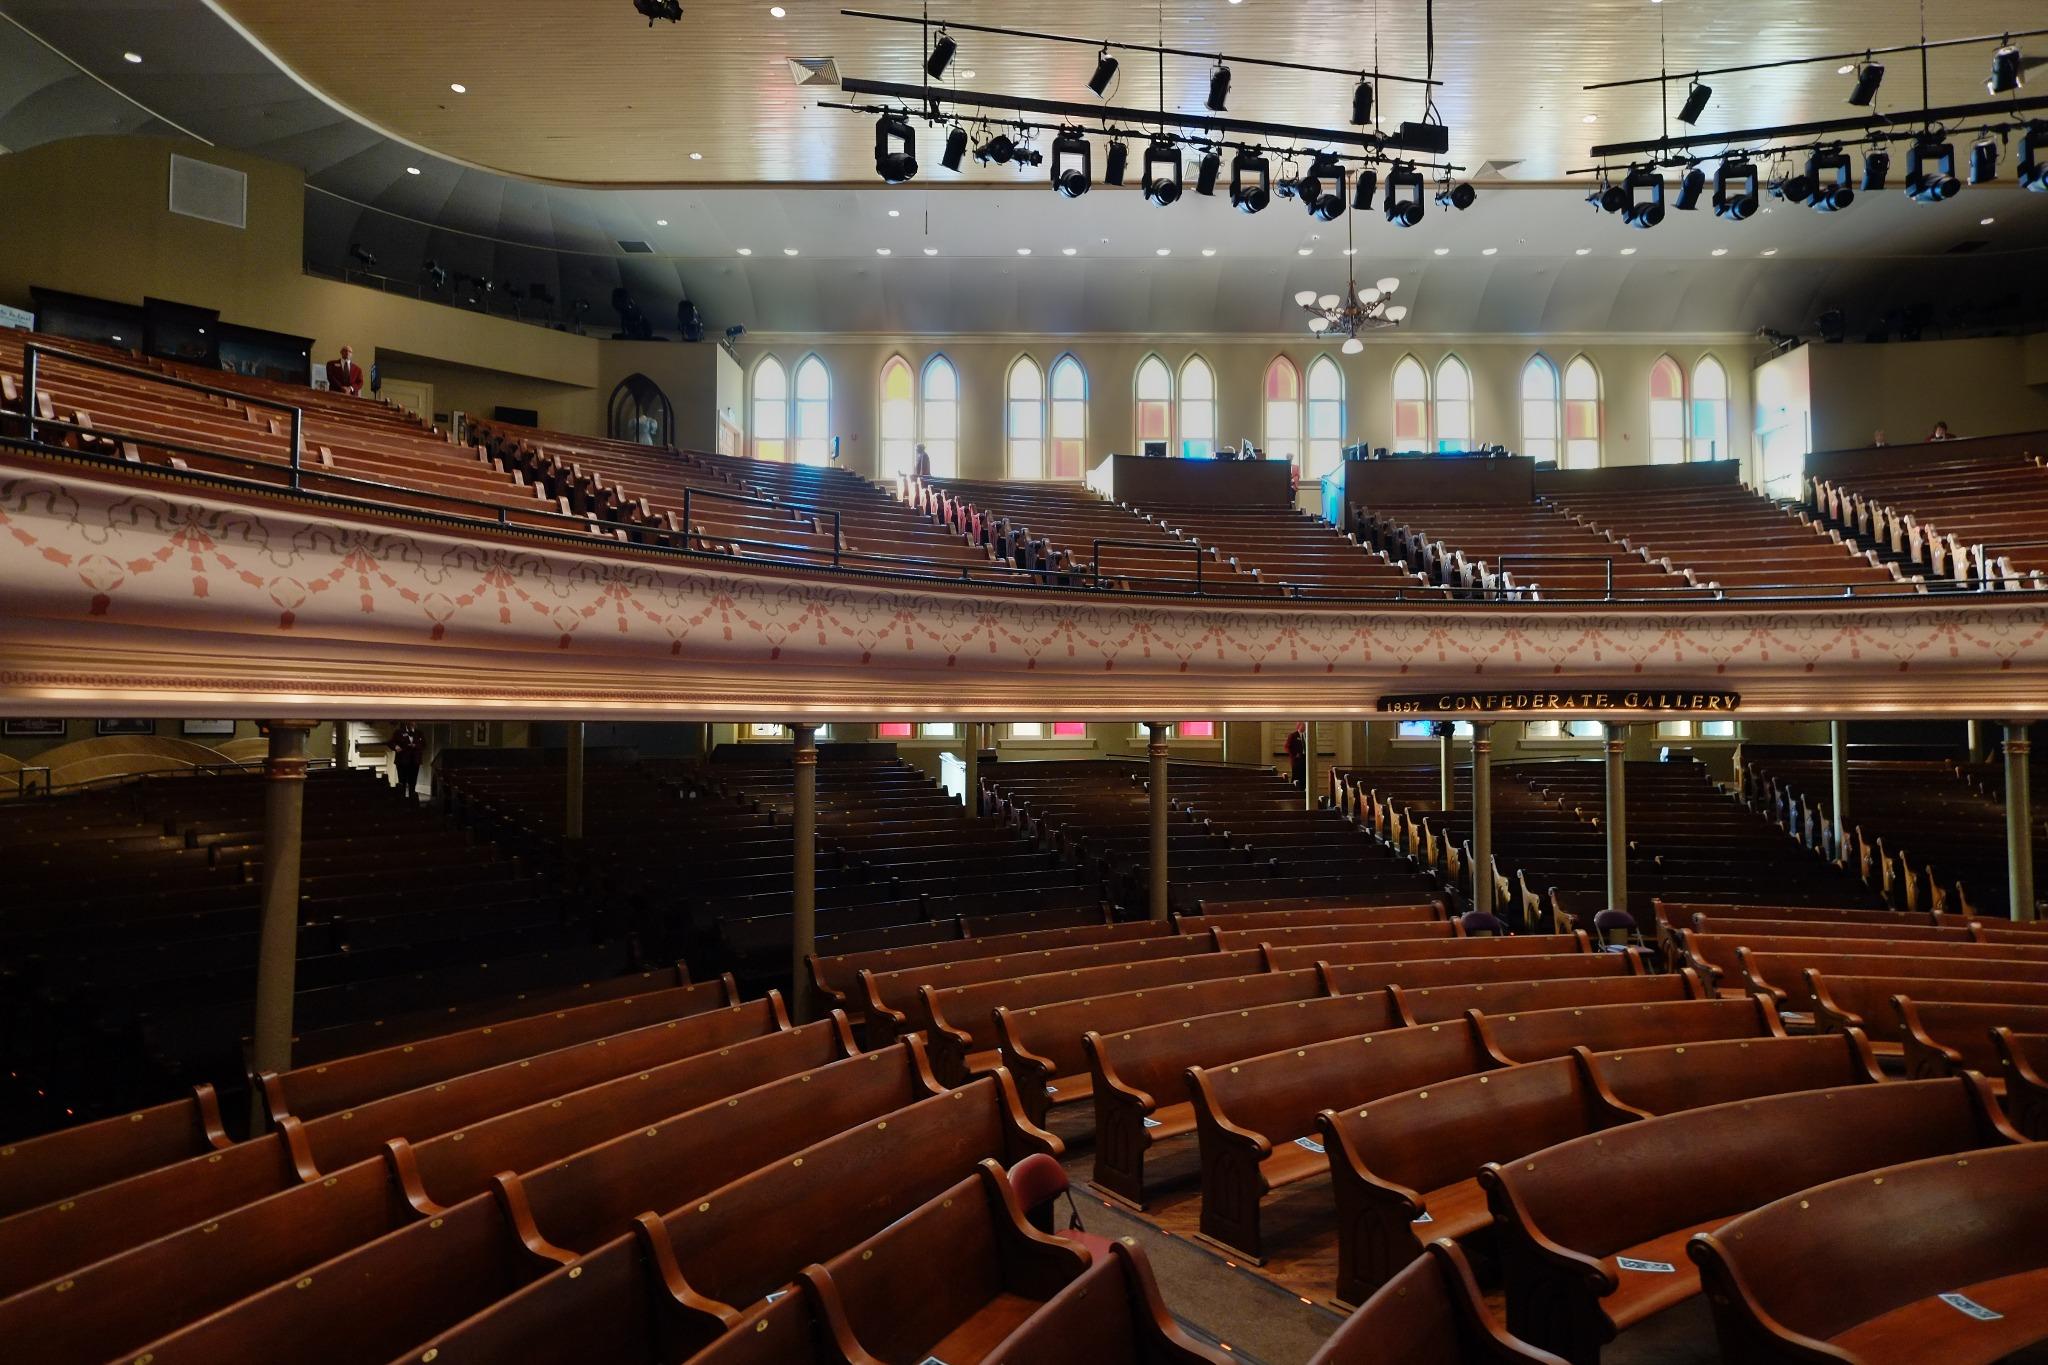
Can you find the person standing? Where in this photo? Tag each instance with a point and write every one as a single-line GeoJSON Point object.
{"type": "Point", "coordinates": [407, 747]}
{"type": "Point", "coordinates": [1297, 753]}
{"type": "Point", "coordinates": [344, 375]}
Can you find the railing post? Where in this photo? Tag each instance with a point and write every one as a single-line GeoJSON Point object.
{"type": "Point", "coordinates": [28, 377]}
{"type": "Point", "coordinates": [1610, 578]}
{"type": "Point", "coordinates": [838, 535]}
{"type": "Point", "coordinates": [298, 444]}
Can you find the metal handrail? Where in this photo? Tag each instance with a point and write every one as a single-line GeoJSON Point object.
{"type": "Point", "coordinates": [691, 492]}
{"type": "Point", "coordinates": [33, 353]}
{"type": "Point", "coordinates": [1503, 562]}
{"type": "Point", "coordinates": [1095, 562]}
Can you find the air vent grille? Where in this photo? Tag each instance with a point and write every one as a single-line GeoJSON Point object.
{"type": "Point", "coordinates": [218, 194]}
{"type": "Point", "coordinates": [636, 248]}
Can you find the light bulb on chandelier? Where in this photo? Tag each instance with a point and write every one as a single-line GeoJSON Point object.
{"type": "Point", "coordinates": [1357, 309]}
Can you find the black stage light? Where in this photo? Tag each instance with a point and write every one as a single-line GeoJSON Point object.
{"type": "Point", "coordinates": [1113, 167]}
{"type": "Point", "coordinates": [1690, 188]}
{"type": "Point", "coordinates": [1983, 162]}
{"type": "Point", "coordinates": [1207, 171]}
{"type": "Point", "coordinates": [1073, 159]}
{"type": "Point", "coordinates": [1322, 189]}
{"type": "Point", "coordinates": [1695, 102]}
{"type": "Point", "coordinates": [1361, 103]}
{"type": "Point", "coordinates": [1368, 183]}
{"type": "Point", "coordinates": [1827, 178]}
{"type": "Point", "coordinates": [1877, 168]}
{"type": "Point", "coordinates": [895, 149]}
{"type": "Point", "coordinates": [1460, 196]}
{"type": "Point", "coordinates": [1795, 187]}
{"type": "Point", "coordinates": [361, 256]}
{"type": "Point", "coordinates": [1251, 182]}
{"type": "Point", "coordinates": [1869, 76]}
{"type": "Point", "coordinates": [671, 10]}
{"type": "Point", "coordinates": [1162, 173]}
{"type": "Point", "coordinates": [1028, 155]}
{"type": "Point", "coordinates": [956, 148]}
{"type": "Point", "coordinates": [2033, 173]}
{"type": "Point", "coordinates": [943, 48]}
{"type": "Point", "coordinates": [1735, 191]}
{"type": "Point", "coordinates": [1406, 197]}
{"type": "Point", "coordinates": [2006, 72]}
{"type": "Point", "coordinates": [437, 275]}
{"type": "Point", "coordinates": [1643, 213]}
{"type": "Point", "coordinates": [1105, 72]}
{"type": "Point", "coordinates": [1925, 186]}
{"type": "Point", "coordinates": [998, 149]}
{"type": "Point", "coordinates": [1219, 88]}
{"type": "Point", "coordinates": [1609, 198]}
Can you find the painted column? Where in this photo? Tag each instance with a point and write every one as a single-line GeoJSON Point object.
{"type": "Point", "coordinates": [1447, 764]}
{"type": "Point", "coordinates": [2019, 823]}
{"type": "Point", "coordinates": [1482, 816]}
{"type": "Point", "coordinates": [804, 837]}
{"type": "Point", "coordinates": [971, 797]}
{"type": "Point", "coordinates": [1617, 816]}
{"type": "Point", "coordinates": [1838, 775]}
{"type": "Point", "coordinates": [1155, 750]}
{"type": "Point", "coordinates": [277, 946]}
{"type": "Point", "coordinates": [1308, 775]}
{"type": "Point", "coordinates": [572, 823]}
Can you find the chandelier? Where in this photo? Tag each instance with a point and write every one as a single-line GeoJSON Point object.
{"type": "Point", "coordinates": [1355, 310]}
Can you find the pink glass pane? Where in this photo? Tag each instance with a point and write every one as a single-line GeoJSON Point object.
{"type": "Point", "coordinates": [893, 729]}
{"type": "Point", "coordinates": [1581, 420]}
{"type": "Point", "coordinates": [1408, 420]}
{"type": "Point", "coordinates": [1069, 729]}
{"type": "Point", "coordinates": [1196, 729]}
{"type": "Point", "coordinates": [1152, 421]}
{"type": "Point", "coordinates": [1283, 384]}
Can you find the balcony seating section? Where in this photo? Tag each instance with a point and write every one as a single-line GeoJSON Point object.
{"type": "Point", "coordinates": [1979, 519]}
{"type": "Point", "coordinates": [1304, 554]}
{"type": "Point", "coordinates": [1519, 550]}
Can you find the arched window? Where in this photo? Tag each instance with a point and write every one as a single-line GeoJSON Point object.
{"type": "Point", "coordinates": [1667, 412]}
{"type": "Point", "coordinates": [813, 411]}
{"type": "Point", "coordinates": [771, 410]}
{"type": "Point", "coordinates": [899, 418]}
{"type": "Point", "coordinates": [1283, 412]}
{"type": "Point", "coordinates": [1411, 405]}
{"type": "Point", "coordinates": [1325, 416]}
{"type": "Point", "coordinates": [1710, 411]}
{"type": "Point", "coordinates": [938, 420]}
{"type": "Point", "coordinates": [1453, 405]}
{"type": "Point", "coordinates": [1069, 419]}
{"type": "Point", "coordinates": [1155, 405]}
{"type": "Point", "coordinates": [1024, 419]}
{"type": "Point", "coordinates": [1197, 410]}
{"type": "Point", "coordinates": [1539, 409]}
{"type": "Point", "coordinates": [1581, 415]}
{"type": "Point", "coordinates": [641, 412]}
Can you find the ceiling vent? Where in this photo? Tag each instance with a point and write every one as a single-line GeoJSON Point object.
{"type": "Point", "coordinates": [218, 194]}
{"type": "Point", "coordinates": [636, 248]}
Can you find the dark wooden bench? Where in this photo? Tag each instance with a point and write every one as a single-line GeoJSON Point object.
{"type": "Point", "coordinates": [1716, 955]}
{"type": "Point", "coordinates": [1943, 1037]}
{"type": "Point", "coordinates": [890, 999]}
{"type": "Point", "coordinates": [1434, 1004]}
{"type": "Point", "coordinates": [1044, 1048]}
{"type": "Point", "coordinates": [1563, 1236]}
{"type": "Point", "coordinates": [1532, 1035]}
{"type": "Point", "coordinates": [1225, 918]}
{"type": "Point", "coordinates": [1458, 971]}
{"type": "Point", "coordinates": [1254, 1118]}
{"type": "Point", "coordinates": [1412, 950]}
{"type": "Point", "coordinates": [158, 1285]}
{"type": "Point", "coordinates": [1783, 975]}
{"type": "Point", "coordinates": [1111, 1315]}
{"type": "Point", "coordinates": [2023, 1064]}
{"type": "Point", "coordinates": [1294, 935]}
{"type": "Point", "coordinates": [1846, 1001]}
{"type": "Point", "coordinates": [837, 975]}
{"type": "Point", "coordinates": [1901, 1244]}
{"type": "Point", "coordinates": [1431, 1311]}
{"type": "Point", "coordinates": [43, 1170]}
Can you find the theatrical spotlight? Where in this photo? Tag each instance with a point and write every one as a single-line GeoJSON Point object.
{"type": "Point", "coordinates": [671, 10]}
{"type": "Point", "coordinates": [1795, 187]}
{"type": "Point", "coordinates": [2006, 71]}
{"type": "Point", "coordinates": [1406, 197]}
{"type": "Point", "coordinates": [1609, 197]}
{"type": "Point", "coordinates": [1932, 186]}
{"type": "Point", "coordinates": [1644, 213]}
{"type": "Point", "coordinates": [1073, 160]}
{"type": "Point", "coordinates": [1105, 72]}
{"type": "Point", "coordinates": [1219, 88]}
{"type": "Point", "coordinates": [943, 48]}
{"type": "Point", "coordinates": [361, 256]}
{"type": "Point", "coordinates": [436, 275]}
{"type": "Point", "coordinates": [2033, 173]}
{"type": "Point", "coordinates": [1322, 189]}
{"type": "Point", "coordinates": [1162, 173]}
{"type": "Point", "coordinates": [1735, 191]}
{"type": "Point", "coordinates": [998, 150]}
{"type": "Point", "coordinates": [1877, 168]}
{"type": "Point", "coordinates": [1460, 196]}
{"type": "Point", "coordinates": [1361, 103]}
{"type": "Point", "coordinates": [1368, 184]}
{"type": "Point", "coordinates": [1251, 183]}
{"type": "Point", "coordinates": [1028, 155]}
{"type": "Point", "coordinates": [1827, 180]}
{"type": "Point", "coordinates": [1695, 102]}
{"type": "Point", "coordinates": [1690, 188]}
{"type": "Point", "coordinates": [895, 149]}
{"type": "Point", "coordinates": [1207, 171]}
{"type": "Point", "coordinates": [1869, 76]}
{"type": "Point", "coordinates": [1113, 167]}
{"type": "Point", "coordinates": [1983, 162]}
{"type": "Point", "coordinates": [956, 149]}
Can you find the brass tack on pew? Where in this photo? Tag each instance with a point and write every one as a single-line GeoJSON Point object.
{"type": "Point", "coordinates": [575, 1271]}
{"type": "Point", "coordinates": [433, 1353]}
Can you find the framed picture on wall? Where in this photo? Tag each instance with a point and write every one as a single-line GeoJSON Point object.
{"type": "Point", "coordinates": [218, 729]}
{"type": "Point", "coordinates": [105, 728]}
{"type": "Point", "coordinates": [33, 729]}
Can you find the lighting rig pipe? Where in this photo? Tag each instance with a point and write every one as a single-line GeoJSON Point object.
{"type": "Point", "coordinates": [1881, 128]}
{"type": "Point", "coordinates": [1687, 74]}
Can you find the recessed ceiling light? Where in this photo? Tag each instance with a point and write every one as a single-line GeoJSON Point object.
{"type": "Point", "coordinates": [1068, 250]}
{"type": "Point", "coordinates": [1304, 251]}
{"type": "Point", "coordinates": [696, 156]}
{"type": "Point", "coordinates": [1163, 251]}
{"type": "Point", "coordinates": [458, 87]}
{"type": "Point", "coordinates": [1208, 251]}
{"type": "Point", "coordinates": [1023, 251]}
{"type": "Point", "coordinates": [661, 222]}
{"type": "Point", "coordinates": [931, 251]}
{"type": "Point", "coordinates": [1986, 222]}
{"type": "Point", "coordinates": [882, 251]}
{"type": "Point", "coordinates": [412, 170]}
{"type": "Point", "coordinates": [1628, 251]}
{"type": "Point", "coordinates": [746, 251]}
{"type": "Point", "coordinates": [1845, 69]}
{"type": "Point", "coordinates": [1720, 251]}
{"type": "Point", "coordinates": [130, 57]}
{"type": "Point", "coordinates": [1770, 251]}
{"type": "Point", "coordinates": [1583, 251]}
{"type": "Point", "coordinates": [967, 75]}
{"type": "Point", "coordinates": [777, 10]}
{"type": "Point", "coordinates": [1350, 251]}
{"type": "Point", "coordinates": [895, 213]}
{"type": "Point", "coordinates": [1590, 118]}
{"type": "Point", "coordinates": [789, 251]}
{"type": "Point", "coordinates": [1491, 251]}
{"type": "Point", "coordinates": [1443, 251]}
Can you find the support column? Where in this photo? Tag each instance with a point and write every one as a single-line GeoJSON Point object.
{"type": "Point", "coordinates": [572, 823]}
{"type": "Point", "coordinates": [803, 833]}
{"type": "Point", "coordinates": [971, 797]}
{"type": "Point", "coordinates": [1447, 765]}
{"type": "Point", "coordinates": [277, 947]}
{"type": "Point", "coordinates": [1482, 815]}
{"type": "Point", "coordinates": [1617, 816]}
{"type": "Point", "coordinates": [1155, 750]}
{"type": "Point", "coordinates": [1973, 738]}
{"type": "Point", "coordinates": [1838, 786]}
{"type": "Point", "coordinates": [2019, 823]}
{"type": "Point", "coordinates": [1308, 774]}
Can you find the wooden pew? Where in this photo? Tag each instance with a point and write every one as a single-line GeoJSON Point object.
{"type": "Point", "coordinates": [2023, 1064]}
{"type": "Point", "coordinates": [1405, 1168]}
{"type": "Point", "coordinates": [1043, 1046]}
{"type": "Point", "coordinates": [159, 1285]}
{"type": "Point", "coordinates": [1563, 1237]}
{"type": "Point", "coordinates": [1783, 975]}
{"type": "Point", "coordinates": [1224, 918]}
{"type": "Point", "coordinates": [1141, 1077]}
{"type": "Point", "coordinates": [837, 976]}
{"type": "Point", "coordinates": [890, 999]}
{"type": "Point", "coordinates": [1111, 1315]}
{"type": "Point", "coordinates": [1532, 1035]}
{"type": "Point", "coordinates": [1716, 957]}
{"type": "Point", "coordinates": [1456, 971]}
{"type": "Point", "coordinates": [1294, 935]}
{"type": "Point", "coordinates": [1423, 950]}
{"type": "Point", "coordinates": [43, 1170]}
{"type": "Point", "coordinates": [1434, 1004]}
{"type": "Point", "coordinates": [1944, 1037]}
{"type": "Point", "coordinates": [1843, 1001]}
{"type": "Point", "coordinates": [1252, 1116]}
{"type": "Point", "coordinates": [1901, 1244]}
{"type": "Point", "coordinates": [1430, 1311]}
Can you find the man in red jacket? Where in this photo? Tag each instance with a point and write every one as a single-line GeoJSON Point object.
{"type": "Point", "coordinates": [343, 374]}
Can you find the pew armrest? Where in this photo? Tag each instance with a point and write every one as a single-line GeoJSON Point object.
{"type": "Point", "coordinates": [1513, 1219]}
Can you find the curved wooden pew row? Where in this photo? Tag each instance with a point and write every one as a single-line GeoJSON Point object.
{"type": "Point", "coordinates": [837, 975]}
{"type": "Point", "coordinates": [1944, 1037]}
{"type": "Point", "coordinates": [1225, 918]}
{"type": "Point", "coordinates": [1282, 959]}
{"type": "Point", "coordinates": [1783, 976]}
{"type": "Point", "coordinates": [1842, 1000]}
{"type": "Point", "coordinates": [1430, 1311]}
{"type": "Point", "coordinates": [1718, 956]}
{"type": "Point", "coordinates": [47, 1169]}
{"type": "Point", "coordinates": [2023, 1063]}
